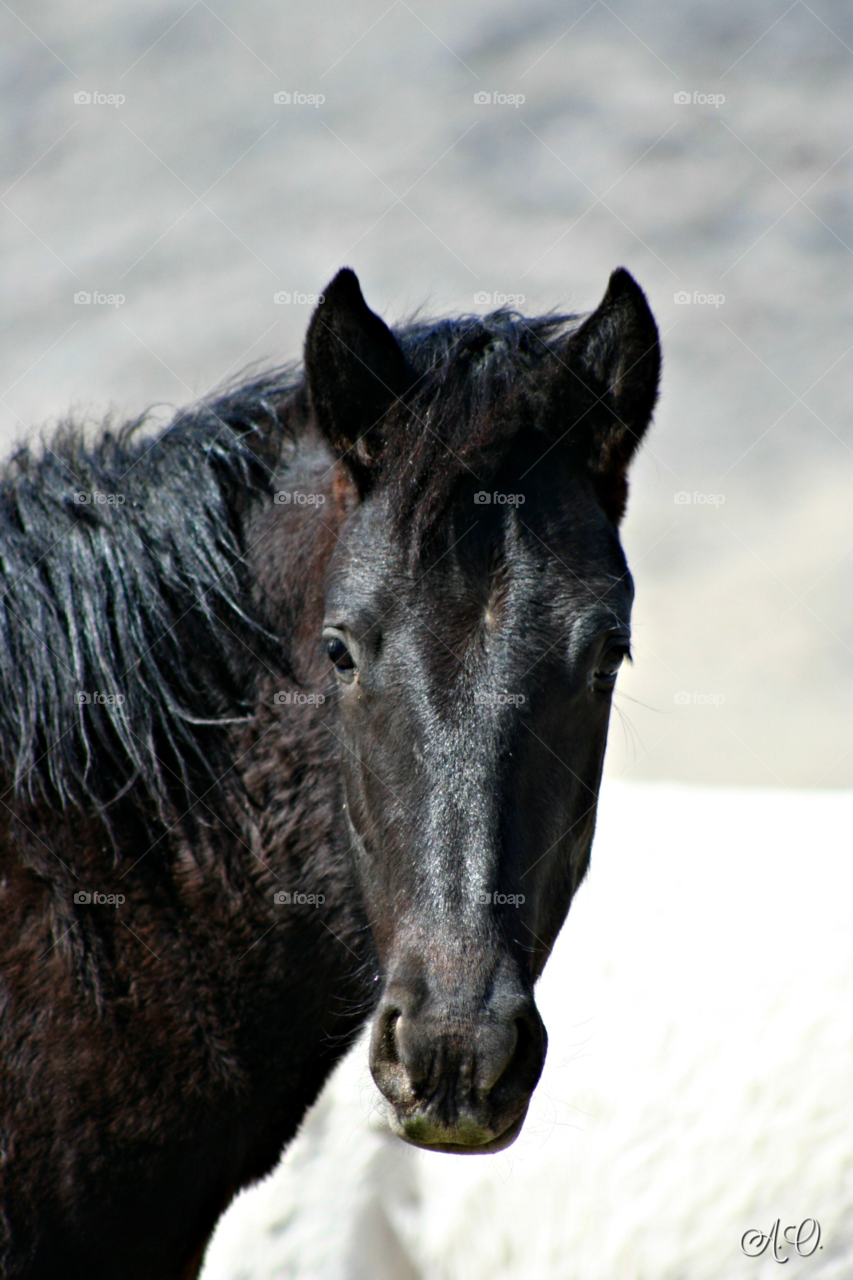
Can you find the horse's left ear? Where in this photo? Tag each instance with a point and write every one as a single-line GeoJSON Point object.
{"type": "Point", "coordinates": [611, 372]}
{"type": "Point", "coordinates": [356, 372]}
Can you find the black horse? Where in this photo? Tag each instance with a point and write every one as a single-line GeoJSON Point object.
{"type": "Point", "coordinates": [304, 706]}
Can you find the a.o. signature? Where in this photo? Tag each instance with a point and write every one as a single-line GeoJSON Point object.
{"type": "Point", "coordinates": [806, 1240]}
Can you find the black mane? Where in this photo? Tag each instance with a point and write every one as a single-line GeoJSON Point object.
{"type": "Point", "coordinates": [135, 596]}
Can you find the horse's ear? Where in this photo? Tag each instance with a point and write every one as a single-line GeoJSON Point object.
{"type": "Point", "coordinates": [355, 371]}
{"type": "Point", "coordinates": [611, 372]}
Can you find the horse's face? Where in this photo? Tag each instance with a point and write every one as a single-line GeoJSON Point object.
{"type": "Point", "coordinates": [474, 699]}
{"type": "Point", "coordinates": [474, 692]}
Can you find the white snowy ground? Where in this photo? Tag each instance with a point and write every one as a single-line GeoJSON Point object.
{"type": "Point", "coordinates": [698, 1079]}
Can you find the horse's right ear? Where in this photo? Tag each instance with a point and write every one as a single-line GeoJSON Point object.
{"type": "Point", "coordinates": [355, 371]}
{"type": "Point", "coordinates": [611, 368]}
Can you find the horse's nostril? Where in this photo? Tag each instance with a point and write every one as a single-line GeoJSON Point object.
{"type": "Point", "coordinates": [387, 1047]}
{"type": "Point", "coordinates": [522, 1065]}
{"type": "Point", "coordinates": [395, 1068]}
{"type": "Point", "coordinates": [495, 1056]}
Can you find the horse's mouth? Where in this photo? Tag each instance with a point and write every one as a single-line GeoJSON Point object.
{"type": "Point", "coordinates": [467, 1137]}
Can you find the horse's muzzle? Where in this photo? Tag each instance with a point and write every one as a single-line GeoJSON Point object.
{"type": "Point", "coordinates": [458, 1076]}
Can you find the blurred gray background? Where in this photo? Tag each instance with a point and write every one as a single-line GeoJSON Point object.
{"type": "Point", "coordinates": [198, 198]}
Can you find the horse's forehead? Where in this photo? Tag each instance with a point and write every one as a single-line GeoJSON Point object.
{"type": "Point", "coordinates": [561, 561]}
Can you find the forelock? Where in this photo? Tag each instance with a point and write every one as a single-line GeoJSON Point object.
{"type": "Point", "coordinates": [476, 383]}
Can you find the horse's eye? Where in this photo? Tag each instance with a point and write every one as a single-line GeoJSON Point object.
{"type": "Point", "coordinates": [604, 676]}
{"type": "Point", "coordinates": [340, 655]}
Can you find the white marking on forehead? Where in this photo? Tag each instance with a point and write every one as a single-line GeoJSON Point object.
{"type": "Point", "coordinates": [498, 591]}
